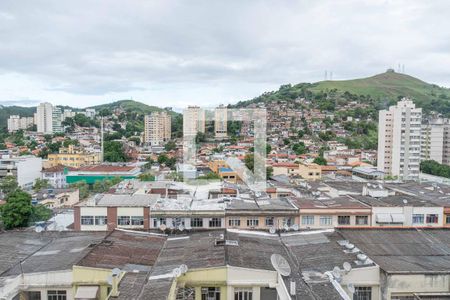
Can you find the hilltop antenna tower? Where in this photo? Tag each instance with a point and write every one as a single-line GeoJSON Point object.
{"type": "Point", "coordinates": [326, 75]}
{"type": "Point", "coordinates": [331, 75]}
{"type": "Point", "coordinates": [403, 69]}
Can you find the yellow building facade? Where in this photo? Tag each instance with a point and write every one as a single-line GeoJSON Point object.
{"type": "Point", "coordinates": [73, 157]}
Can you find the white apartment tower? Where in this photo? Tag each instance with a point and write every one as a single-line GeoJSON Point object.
{"type": "Point", "coordinates": [19, 123]}
{"type": "Point", "coordinates": [44, 118]}
{"type": "Point", "coordinates": [399, 138]}
{"type": "Point", "coordinates": [435, 141]}
{"type": "Point", "coordinates": [220, 121]}
{"type": "Point", "coordinates": [157, 128]}
{"type": "Point", "coordinates": [193, 120]}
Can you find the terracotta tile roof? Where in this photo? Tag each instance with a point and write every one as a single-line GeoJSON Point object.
{"type": "Point", "coordinates": [285, 164]}
{"type": "Point", "coordinates": [58, 168]}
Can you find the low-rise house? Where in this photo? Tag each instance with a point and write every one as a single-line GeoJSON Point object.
{"type": "Point", "coordinates": [57, 198]}
{"type": "Point", "coordinates": [310, 171]}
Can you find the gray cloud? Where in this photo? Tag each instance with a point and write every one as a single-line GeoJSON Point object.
{"type": "Point", "coordinates": [174, 50]}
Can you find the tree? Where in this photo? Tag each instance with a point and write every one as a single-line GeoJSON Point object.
{"type": "Point", "coordinates": [249, 161]}
{"type": "Point", "coordinates": [8, 184]}
{"type": "Point", "coordinates": [40, 213]}
{"type": "Point", "coordinates": [162, 159]}
{"type": "Point", "coordinates": [17, 210]}
{"type": "Point", "coordinates": [299, 148]}
{"type": "Point", "coordinates": [113, 152]}
{"type": "Point", "coordinates": [320, 161]}
{"type": "Point", "coordinates": [146, 177]}
{"type": "Point", "coordinates": [200, 137]}
{"type": "Point", "coordinates": [40, 184]}
{"type": "Point", "coordinates": [269, 172]}
{"type": "Point", "coordinates": [171, 145]}
{"type": "Point", "coordinates": [82, 187]}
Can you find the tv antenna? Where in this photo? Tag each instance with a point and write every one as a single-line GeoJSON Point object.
{"type": "Point", "coordinates": [272, 230]}
{"type": "Point", "coordinates": [280, 264]}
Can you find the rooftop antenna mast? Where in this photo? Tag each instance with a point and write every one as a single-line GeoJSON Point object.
{"type": "Point", "coordinates": [101, 138]}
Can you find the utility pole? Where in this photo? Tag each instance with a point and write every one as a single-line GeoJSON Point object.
{"type": "Point", "coordinates": [101, 139]}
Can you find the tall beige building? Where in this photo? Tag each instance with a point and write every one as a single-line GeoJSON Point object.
{"type": "Point", "coordinates": [193, 120]}
{"type": "Point", "coordinates": [44, 118]}
{"type": "Point", "coordinates": [158, 128]}
{"type": "Point", "coordinates": [399, 140]}
{"type": "Point", "coordinates": [220, 121]}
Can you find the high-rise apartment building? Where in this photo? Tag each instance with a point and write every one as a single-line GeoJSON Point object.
{"type": "Point", "coordinates": [57, 118]}
{"type": "Point", "coordinates": [399, 138]}
{"type": "Point", "coordinates": [220, 121]}
{"type": "Point", "coordinates": [193, 120]}
{"type": "Point", "coordinates": [19, 123]}
{"type": "Point", "coordinates": [44, 118]}
{"type": "Point", "coordinates": [157, 128]}
{"type": "Point", "coordinates": [435, 141]}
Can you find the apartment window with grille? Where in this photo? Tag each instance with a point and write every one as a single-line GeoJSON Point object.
{"type": "Point", "coordinates": [307, 220]}
{"type": "Point", "coordinates": [253, 222]}
{"type": "Point", "coordinates": [210, 293]}
{"type": "Point", "coordinates": [362, 220]}
{"type": "Point", "coordinates": [56, 295]}
{"type": "Point", "coordinates": [243, 294]}
{"type": "Point", "coordinates": [123, 220]}
{"type": "Point", "coordinates": [326, 220]}
{"type": "Point", "coordinates": [362, 293]}
{"type": "Point", "coordinates": [233, 222]}
{"type": "Point", "coordinates": [344, 220]}
{"type": "Point", "coordinates": [196, 222]}
{"type": "Point", "coordinates": [447, 219]}
{"type": "Point", "coordinates": [100, 220]}
{"type": "Point", "coordinates": [87, 220]}
{"type": "Point", "coordinates": [417, 218]}
{"type": "Point", "coordinates": [432, 218]}
{"type": "Point", "coordinates": [269, 221]}
{"type": "Point", "coordinates": [137, 220]}
{"type": "Point", "coordinates": [215, 222]}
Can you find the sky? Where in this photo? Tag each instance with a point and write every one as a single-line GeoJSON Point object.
{"type": "Point", "coordinates": [177, 53]}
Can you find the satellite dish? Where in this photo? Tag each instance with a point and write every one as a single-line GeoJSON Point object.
{"type": "Point", "coordinates": [349, 246]}
{"type": "Point", "coordinates": [180, 227]}
{"type": "Point", "coordinates": [61, 228]}
{"type": "Point", "coordinates": [336, 272]}
{"type": "Point", "coordinates": [38, 229]}
{"type": "Point", "coordinates": [188, 227]}
{"type": "Point", "coordinates": [286, 227]}
{"type": "Point", "coordinates": [183, 268]}
{"type": "Point", "coordinates": [405, 201]}
{"type": "Point", "coordinates": [351, 288]}
{"type": "Point", "coordinates": [109, 279]}
{"type": "Point", "coordinates": [176, 272]}
{"type": "Point", "coordinates": [347, 266]}
{"type": "Point", "coordinates": [280, 264]}
{"type": "Point", "coordinates": [272, 230]}
{"type": "Point", "coordinates": [162, 227]}
{"type": "Point", "coordinates": [361, 257]}
{"type": "Point", "coordinates": [116, 271]}
{"type": "Point", "coordinates": [295, 227]}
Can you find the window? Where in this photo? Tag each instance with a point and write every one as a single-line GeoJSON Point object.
{"type": "Point", "coordinates": [326, 220]}
{"type": "Point", "coordinates": [233, 222]}
{"type": "Point", "coordinates": [307, 220]}
{"type": "Point", "coordinates": [243, 294]}
{"type": "Point", "coordinates": [288, 221]}
{"type": "Point", "coordinates": [87, 220]}
{"type": "Point", "coordinates": [176, 222]}
{"type": "Point", "coordinates": [123, 220]}
{"type": "Point", "coordinates": [344, 220]}
{"type": "Point", "coordinates": [137, 220]}
{"type": "Point", "coordinates": [196, 222]}
{"type": "Point", "coordinates": [269, 221]}
{"type": "Point", "coordinates": [56, 295]}
{"type": "Point", "coordinates": [210, 293]}
{"type": "Point", "coordinates": [252, 222]}
{"type": "Point", "coordinates": [432, 218]}
{"type": "Point", "coordinates": [33, 295]}
{"type": "Point", "coordinates": [447, 219]}
{"type": "Point", "coordinates": [362, 220]}
{"type": "Point", "coordinates": [362, 293]}
{"type": "Point", "coordinates": [100, 220]}
{"type": "Point", "coordinates": [215, 222]}
{"type": "Point", "coordinates": [417, 218]}
{"type": "Point", "coordinates": [185, 293]}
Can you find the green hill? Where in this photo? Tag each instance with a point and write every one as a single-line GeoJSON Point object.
{"type": "Point", "coordinates": [130, 106]}
{"type": "Point", "coordinates": [380, 90]}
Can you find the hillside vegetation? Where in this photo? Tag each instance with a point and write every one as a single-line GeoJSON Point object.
{"type": "Point", "coordinates": [380, 90]}
{"type": "Point", "coordinates": [129, 106]}
{"type": "Point", "coordinates": [6, 111]}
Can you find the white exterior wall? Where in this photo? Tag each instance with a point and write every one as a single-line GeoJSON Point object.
{"type": "Point", "coordinates": [44, 118]}
{"type": "Point", "coordinates": [420, 283]}
{"type": "Point", "coordinates": [407, 212]}
{"type": "Point", "coordinates": [56, 179]}
{"type": "Point", "coordinates": [28, 170]}
{"type": "Point", "coordinates": [130, 211]}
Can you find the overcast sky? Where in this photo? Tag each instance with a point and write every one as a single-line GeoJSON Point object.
{"type": "Point", "coordinates": [175, 53]}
